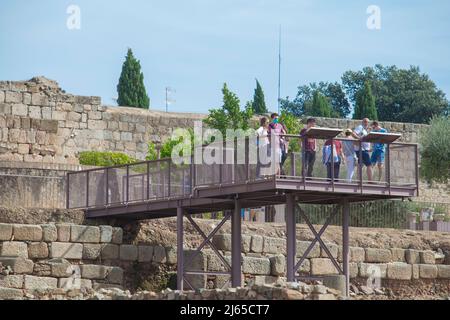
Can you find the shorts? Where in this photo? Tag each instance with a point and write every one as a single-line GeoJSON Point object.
{"type": "Point", "coordinates": [377, 157]}
{"type": "Point", "coordinates": [365, 158]}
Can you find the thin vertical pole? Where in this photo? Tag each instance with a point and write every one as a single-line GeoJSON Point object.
{"type": "Point", "coordinates": [416, 159]}
{"type": "Point", "coordinates": [290, 233]}
{"type": "Point", "coordinates": [148, 180]}
{"type": "Point", "coordinates": [332, 164]}
{"type": "Point", "coordinates": [293, 173]}
{"type": "Point", "coordinates": [236, 245]}
{"type": "Point", "coordinates": [180, 252]}
{"type": "Point", "coordinates": [388, 167]}
{"type": "Point", "coordinates": [279, 69]}
{"type": "Point", "coordinates": [360, 164]}
{"type": "Point", "coordinates": [87, 188]}
{"type": "Point", "coordinates": [345, 244]}
{"type": "Point", "coordinates": [128, 184]}
{"type": "Point", "coordinates": [168, 177]}
{"type": "Point", "coordinates": [106, 186]}
{"type": "Point", "coordinates": [67, 191]}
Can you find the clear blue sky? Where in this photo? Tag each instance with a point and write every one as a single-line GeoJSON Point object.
{"type": "Point", "coordinates": [194, 46]}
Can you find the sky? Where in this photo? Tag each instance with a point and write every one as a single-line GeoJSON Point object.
{"type": "Point", "coordinates": [195, 46]}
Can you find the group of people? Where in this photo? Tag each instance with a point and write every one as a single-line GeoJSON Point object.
{"type": "Point", "coordinates": [334, 152]}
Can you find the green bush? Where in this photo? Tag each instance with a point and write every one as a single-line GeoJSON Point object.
{"type": "Point", "coordinates": [104, 159]}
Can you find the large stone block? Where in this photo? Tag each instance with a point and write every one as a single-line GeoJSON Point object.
{"type": "Point", "coordinates": [63, 232]}
{"type": "Point", "coordinates": [117, 235]}
{"type": "Point", "coordinates": [110, 251]}
{"type": "Point", "coordinates": [378, 255]}
{"type": "Point", "coordinates": [97, 272]}
{"type": "Point", "coordinates": [5, 231]}
{"type": "Point", "coordinates": [92, 251]}
{"type": "Point", "coordinates": [13, 97]}
{"type": "Point", "coordinates": [74, 283]}
{"type": "Point", "coordinates": [256, 244]}
{"type": "Point", "coordinates": [245, 243]}
{"type": "Point", "coordinates": [252, 265]}
{"type": "Point", "coordinates": [443, 271]}
{"type": "Point", "coordinates": [40, 283]}
{"type": "Point", "coordinates": [61, 268]}
{"type": "Point", "coordinates": [412, 256]}
{"type": "Point", "coordinates": [90, 234]}
{"type": "Point", "coordinates": [159, 254]}
{"type": "Point", "coordinates": [145, 253]}
{"type": "Point", "coordinates": [38, 250]}
{"type": "Point", "coordinates": [14, 249]}
{"type": "Point", "coordinates": [19, 265]}
{"type": "Point", "coordinates": [278, 265]}
{"type": "Point", "coordinates": [399, 271]}
{"type": "Point", "coordinates": [106, 233]}
{"type": "Point", "coordinates": [11, 281]}
{"type": "Point", "coordinates": [302, 246]}
{"type": "Point", "coordinates": [398, 255]}
{"type": "Point", "coordinates": [115, 275]}
{"type": "Point", "coordinates": [129, 252]}
{"type": "Point", "coordinates": [10, 294]}
{"type": "Point", "coordinates": [428, 271]}
{"type": "Point", "coordinates": [49, 233]}
{"type": "Point", "coordinates": [66, 250]}
{"type": "Point", "coordinates": [27, 232]}
{"type": "Point", "coordinates": [171, 255]}
{"type": "Point", "coordinates": [372, 270]}
{"type": "Point", "coordinates": [427, 257]}
{"type": "Point", "coordinates": [222, 241]}
{"type": "Point", "coordinates": [332, 247]}
{"type": "Point", "coordinates": [274, 245]}
{"type": "Point", "coordinates": [322, 266]}
{"type": "Point", "coordinates": [199, 263]}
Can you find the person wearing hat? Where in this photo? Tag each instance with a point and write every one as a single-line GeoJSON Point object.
{"type": "Point", "coordinates": [348, 148]}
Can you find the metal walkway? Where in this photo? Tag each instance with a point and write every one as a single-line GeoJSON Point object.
{"type": "Point", "coordinates": [157, 189]}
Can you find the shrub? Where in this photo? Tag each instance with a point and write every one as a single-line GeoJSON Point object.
{"type": "Point", "coordinates": [104, 159]}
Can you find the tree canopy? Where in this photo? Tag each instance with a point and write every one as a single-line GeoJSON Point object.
{"type": "Point", "coordinates": [258, 103]}
{"type": "Point", "coordinates": [131, 90]}
{"type": "Point", "coordinates": [365, 104]}
{"type": "Point", "coordinates": [319, 106]}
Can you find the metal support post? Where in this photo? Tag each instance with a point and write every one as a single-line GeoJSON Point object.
{"type": "Point", "coordinates": [291, 238]}
{"type": "Point", "coordinates": [180, 251]}
{"type": "Point", "coordinates": [345, 244]}
{"type": "Point", "coordinates": [236, 245]}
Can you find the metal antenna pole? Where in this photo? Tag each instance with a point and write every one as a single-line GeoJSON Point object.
{"type": "Point", "coordinates": [279, 69]}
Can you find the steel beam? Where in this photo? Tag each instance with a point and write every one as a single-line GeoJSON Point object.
{"type": "Point", "coordinates": [345, 244]}
{"type": "Point", "coordinates": [180, 251]}
{"type": "Point", "coordinates": [236, 245]}
{"type": "Point", "coordinates": [291, 239]}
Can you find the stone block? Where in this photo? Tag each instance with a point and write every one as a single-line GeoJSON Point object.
{"type": "Point", "coordinates": [256, 244]}
{"type": "Point", "coordinates": [92, 251]}
{"type": "Point", "coordinates": [222, 241]}
{"type": "Point", "coordinates": [399, 271]}
{"type": "Point", "coordinates": [110, 251]}
{"type": "Point", "coordinates": [171, 255]}
{"type": "Point", "coordinates": [274, 245]}
{"type": "Point", "coordinates": [252, 265]}
{"type": "Point", "coordinates": [11, 281]}
{"type": "Point", "coordinates": [117, 235]}
{"type": "Point", "coordinates": [63, 232]}
{"type": "Point", "coordinates": [2, 96]}
{"type": "Point", "coordinates": [332, 247]}
{"type": "Point", "coordinates": [96, 272]}
{"type": "Point", "coordinates": [245, 243]}
{"type": "Point", "coordinates": [6, 231]}
{"type": "Point", "coordinates": [322, 266]}
{"type": "Point", "coordinates": [38, 250]}
{"type": "Point", "coordinates": [427, 257]}
{"type": "Point", "coordinates": [10, 294]}
{"type": "Point", "coordinates": [145, 253]}
{"type": "Point", "coordinates": [199, 263]}
{"type": "Point", "coordinates": [398, 255]}
{"type": "Point", "coordinates": [106, 234]}
{"type": "Point", "coordinates": [159, 254]}
{"type": "Point", "coordinates": [278, 265]}
{"type": "Point", "coordinates": [85, 234]}
{"type": "Point", "coordinates": [14, 249]}
{"type": "Point", "coordinates": [415, 271]}
{"type": "Point", "coordinates": [66, 250]}
{"type": "Point", "coordinates": [428, 271]}
{"type": "Point", "coordinates": [412, 256]}
{"type": "Point", "coordinates": [40, 283]}
{"type": "Point", "coordinates": [302, 246]}
{"type": "Point", "coordinates": [129, 252]}
{"type": "Point", "coordinates": [378, 255]}
{"type": "Point", "coordinates": [27, 232]}
{"type": "Point", "coordinates": [61, 268]}
{"type": "Point", "coordinates": [13, 97]}
{"type": "Point", "coordinates": [115, 275]}
{"type": "Point", "coordinates": [74, 283]}
{"type": "Point", "coordinates": [372, 270]}
{"type": "Point", "coordinates": [443, 271]}
{"type": "Point", "coordinates": [39, 99]}
{"type": "Point", "coordinates": [49, 232]}
{"type": "Point", "coordinates": [19, 265]}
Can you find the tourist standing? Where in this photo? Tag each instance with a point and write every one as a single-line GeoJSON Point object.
{"type": "Point", "coordinates": [276, 132]}
{"type": "Point", "coordinates": [263, 147]}
{"type": "Point", "coordinates": [348, 148]}
{"type": "Point", "coordinates": [363, 157]}
{"type": "Point", "coordinates": [377, 157]}
{"type": "Point", "coordinates": [308, 149]}
{"type": "Point", "coordinates": [332, 158]}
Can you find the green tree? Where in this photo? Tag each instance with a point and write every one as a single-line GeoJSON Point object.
{"type": "Point", "coordinates": [319, 106]}
{"type": "Point", "coordinates": [259, 104]}
{"type": "Point", "coordinates": [403, 95]}
{"type": "Point", "coordinates": [334, 93]}
{"type": "Point", "coordinates": [435, 150]}
{"type": "Point", "coordinates": [131, 89]}
{"type": "Point", "coordinates": [365, 104]}
{"type": "Point", "coordinates": [293, 126]}
{"type": "Point", "coordinates": [229, 116]}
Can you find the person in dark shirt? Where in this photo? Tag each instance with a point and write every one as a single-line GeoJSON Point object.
{"type": "Point", "coordinates": [338, 157]}
{"type": "Point", "coordinates": [309, 147]}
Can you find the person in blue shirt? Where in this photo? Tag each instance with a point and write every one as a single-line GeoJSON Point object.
{"type": "Point", "coordinates": [378, 150]}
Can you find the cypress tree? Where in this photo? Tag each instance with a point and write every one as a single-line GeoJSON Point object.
{"type": "Point", "coordinates": [319, 107]}
{"type": "Point", "coordinates": [365, 104]}
{"type": "Point", "coordinates": [259, 104]}
{"type": "Point", "coordinates": [131, 89]}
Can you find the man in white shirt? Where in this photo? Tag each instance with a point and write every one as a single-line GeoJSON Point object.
{"type": "Point", "coordinates": [363, 156]}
